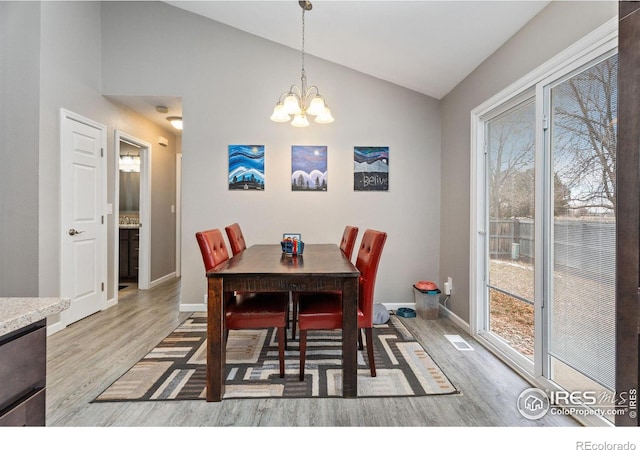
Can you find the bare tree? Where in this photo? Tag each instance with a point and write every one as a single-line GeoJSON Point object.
{"type": "Point", "coordinates": [584, 136]}
{"type": "Point", "coordinates": [510, 149]}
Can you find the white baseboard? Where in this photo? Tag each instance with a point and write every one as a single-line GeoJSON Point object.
{"type": "Point", "coordinates": [394, 306]}
{"type": "Point", "coordinates": [55, 327]}
{"type": "Point", "coordinates": [193, 307]}
{"type": "Point", "coordinates": [202, 307]}
{"type": "Point", "coordinates": [111, 302]}
{"type": "Point", "coordinates": [444, 311]}
{"type": "Point", "coordinates": [464, 326]}
{"type": "Point", "coordinates": [161, 280]}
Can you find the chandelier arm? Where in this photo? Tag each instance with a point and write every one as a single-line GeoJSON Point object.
{"type": "Point", "coordinates": [312, 90]}
{"type": "Point", "coordinates": [282, 96]}
{"type": "Point", "coordinates": [310, 94]}
{"type": "Point", "coordinates": [295, 90]}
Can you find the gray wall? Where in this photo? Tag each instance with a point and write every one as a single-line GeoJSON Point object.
{"type": "Point", "coordinates": [19, 118]}
{"type": "Point", "coordinates": [71, 75]}
{"type": "Point", "coordinates": [69, 78]}
{"type": "Point", "coordinates": [50, 54]}
{"type": "Point", "coordinates": [556, 27]}
{"type": "Point", "coordinates": [229, 82]}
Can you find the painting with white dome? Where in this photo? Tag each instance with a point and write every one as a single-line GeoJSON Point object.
{"type": "Point", "coordinates": [308, 168]}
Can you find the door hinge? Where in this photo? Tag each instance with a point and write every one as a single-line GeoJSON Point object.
{"type": "Point", "coordinates": [102, 220]}
{"type": "Point", "coordinates": [102, 286]}
{"type": "Point", "coordinates": [485, 148]}
{"type": "Point", "coordinates": [101, 152]}
{"type": "Point", "coordinates": [545, 122]}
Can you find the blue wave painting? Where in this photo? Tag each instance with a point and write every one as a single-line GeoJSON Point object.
{"type": "Point", "coordinates": [246, 167]}
{"type": "Point", "coordinates": [308, 168]}
{"type": "Point", "coordinates": [371, 169]}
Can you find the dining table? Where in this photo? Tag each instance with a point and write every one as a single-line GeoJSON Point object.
{"type": "Point", "coordinates": [266, 268]}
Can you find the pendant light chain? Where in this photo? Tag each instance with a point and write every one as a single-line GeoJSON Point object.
{"type": "Point", "coordinates": [303, 74]}
{"type": "Point", "coordinates": [299, 101]}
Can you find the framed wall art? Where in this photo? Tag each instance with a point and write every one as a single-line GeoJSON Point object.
{"type": "Point", "coordinates": [308, 168]}
{"type": "Point", "coordinates": [371, 169]}
{"type": "Point", "coordinates": [246, 167]}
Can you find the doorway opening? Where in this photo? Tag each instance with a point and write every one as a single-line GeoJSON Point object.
{"type": "Point", "coordinates": [132, 209]}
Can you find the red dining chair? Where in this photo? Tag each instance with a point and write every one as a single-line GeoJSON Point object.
{"type": "Point", "coordinates": [347, 244]}
{"type": "Point", "coordinates": [236, 239]}
{"type": "Point", "coordinates": [238, 245]}
{"type": "Point", "coordinates": [348, 241]}
{"type": "Point", "coordinates": [323, 311]}
{"type": "Point", "coordinates": [246, 310]}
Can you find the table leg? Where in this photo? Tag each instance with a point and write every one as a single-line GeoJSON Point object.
{"type": "Point", "coordinates": [215, 340]}
{"type": "Point", "coordinates": [350, 338]}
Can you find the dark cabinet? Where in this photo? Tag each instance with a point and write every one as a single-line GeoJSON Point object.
{"type": "Point", "coordinates": [23, 362]}
{"type": "Point", "coordinates": [129, 243]}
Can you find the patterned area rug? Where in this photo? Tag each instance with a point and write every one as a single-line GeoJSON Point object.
{"type": "Point", "coordinates": [175, 369]}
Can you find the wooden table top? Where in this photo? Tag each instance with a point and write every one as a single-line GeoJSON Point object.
{"type": "Point", "coordinates": [317, 260]}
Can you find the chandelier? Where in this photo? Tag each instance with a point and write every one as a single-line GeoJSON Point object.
{"type": "Point", "coordinates": [298, 102]}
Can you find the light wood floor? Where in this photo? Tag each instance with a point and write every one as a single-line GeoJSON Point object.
{"type": "Point", "coordinates": [88, 356]}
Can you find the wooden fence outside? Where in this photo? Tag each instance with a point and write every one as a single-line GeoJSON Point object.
{"type": "Point", "coordinates": [581, 244]}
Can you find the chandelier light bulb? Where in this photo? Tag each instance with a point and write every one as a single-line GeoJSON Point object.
{"type": "Point", "coordinates": [317, 106]}
{"type": "Point", "coordinates": [279, 114]}
{"type": "Point", "coordinates": [300, 121]}
{"type": "Point", "coordinates": [325, 116]}
{"type": "Point", "coordinates": [291, 104]}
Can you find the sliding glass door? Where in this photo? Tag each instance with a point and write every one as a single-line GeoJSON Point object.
{"type": "Point", "coordinates": [510, 184]}
{"type": "Point", "coordinates": [583, 113]}
{"type": "Point", "coordinates": [544, 237]}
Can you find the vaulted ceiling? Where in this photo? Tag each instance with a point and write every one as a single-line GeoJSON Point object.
{"type": "Point", "coordinates": [425, 46]}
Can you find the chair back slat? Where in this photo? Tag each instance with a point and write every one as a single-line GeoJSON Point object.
{"type": "Point", "coordinates": [213, 248]}
{"type": "Point", "coordinates": [348, 241]}
{"type": "Point", "coordinates": [236, 239]}
{"type": "Point", "coordinates": [367, 263]}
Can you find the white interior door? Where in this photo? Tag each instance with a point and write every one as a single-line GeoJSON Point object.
{"type": "Point", "coordinates": [83, 273]}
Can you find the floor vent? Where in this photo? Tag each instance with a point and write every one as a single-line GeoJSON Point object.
{"type": "Point", "coordinates": [459, 343]}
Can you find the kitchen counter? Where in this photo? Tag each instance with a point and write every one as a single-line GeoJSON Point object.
{"type": "Point", "coordinates": [23, 358]}
{"type": "Point", "coordinates": [19, 312]}
{"type": "Point", "coordinates": [129, 225]}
